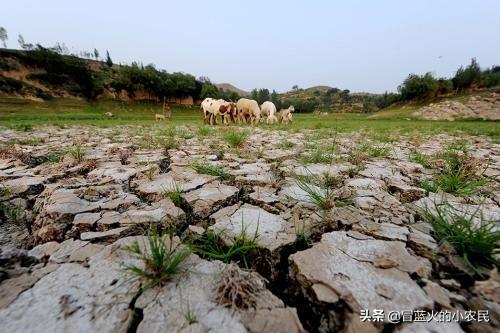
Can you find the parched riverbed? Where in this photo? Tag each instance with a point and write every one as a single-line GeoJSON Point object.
{"type": "Point", "coordinates": [340, 222]}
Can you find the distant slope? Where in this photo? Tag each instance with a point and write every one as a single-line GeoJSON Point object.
{"type": "Point", "coordinates": [331, 99]}
{"type": "Point", "coordinates": [230, 87]}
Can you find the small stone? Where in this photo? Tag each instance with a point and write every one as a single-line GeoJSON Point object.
{"type": "Point", "coordinates": [111, 234]}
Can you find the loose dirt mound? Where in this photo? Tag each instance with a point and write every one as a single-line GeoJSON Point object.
{"type": "Point", "coordinates": [479, 107]}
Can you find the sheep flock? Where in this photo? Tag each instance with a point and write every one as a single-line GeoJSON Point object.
{"type": "Point", "coordinates": [244, 111]}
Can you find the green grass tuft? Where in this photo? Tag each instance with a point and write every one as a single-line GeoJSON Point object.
{"type": "Point", "coordinates": [235, 138]}
{"type": "Point", "coordinates": [420, 158]}
{"type": "Point", "coordinates": [321, 197]}
{"type": "Point", "coordinates": [161, 262]}
{"type": "Point", "coordinates": [476, 242]}
{"type": "Point", "coordinates": [174, 194]}
{"type": "Point", "coordinates": [213, 245]}
{"type": "Point", "coordinates": [210, 169]}
{"type": "Point", "coordinates": [77, 153]}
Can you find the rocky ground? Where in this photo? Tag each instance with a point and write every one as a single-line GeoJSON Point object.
{"type": "Point", "coordinates": [476, 107]}
{"type": "Point", "coordinates": [73, 199]}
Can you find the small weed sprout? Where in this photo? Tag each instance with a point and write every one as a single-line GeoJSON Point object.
{"type": "Point", "coordinates": [204, 131]}
{"type": "Point", "coordinates": [171, 143]}
{"type": "Point", "coordinates": [287, 144]}
{"type": "Point", "coordinates": [213, 245]}
{"type": "Point", "coordinates": [150, 172]}
{"type": "Point", "coordinates": [54, 157]}
{"type": "Point", "coordinates": [77, 153]}
{"type": "Point", "coordinates": [210, 169]}
{"type": "Point", "coordinates": [420, 158]}
{"type": "Point", "coordinates": [161, 262]}
{"type": "Point", "coordinates": [356, 156]}
{"type": "Point", "coordinates": [322, 198]}
{"type": "Point", "coordinates": [473, 237]}
{"type": "Point", "coordinates": [302, 232]}
{"type": "Point", "coordinates": [459, 172]}
{"type": "Point", "coordinates": [189, 315]}
{"type": "Point", "coordinates": [174, 193]}
{"type": "Point", "coordinates": [378, 151]}
{"type": "Point", "coordinates": [235, 139]}
{"type": "Point", "coordinates": [13, 214]}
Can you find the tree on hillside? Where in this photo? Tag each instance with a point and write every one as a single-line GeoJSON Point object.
{"type": "Point", "coordinates": [295, 87]}
{"type": "Point", "coordinates": [263, 95]}
{"type": "Point", "coordinates": [445, 86]}
{"type": "Point", "coordinates": [491, 76]}
{"type": "Point", "coordinates": [465, 78]}
{"type": "Point", "coordinates": [4, 36]}
{"type": "Point", "coordinates": [23, 44]}
{"type": "Point", "coordinates": [96, 54]}
{"type": "Point", "coordinates": [109, 62]}
{"type": "Point", "coordinates": [275, 99]}
{"type": "Point", "coordinates": [418, 87]}
{"type": "Point", "coordinates": [344, 96]}
{"type": "Point", "coordinates": [254, 94]}
{"type": "Point", "coordinates": [385, 100]}
{"type": "Point", "coordinates": [208, 90]}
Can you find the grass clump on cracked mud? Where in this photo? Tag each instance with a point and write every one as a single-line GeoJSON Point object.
{"type": "Point", "coordinates": [210, 169]}
{"type": "Point", "coordinates": [460, 173]}
{"type": "Point", "coordinates": [174, 194]}
{"type": "Point", "coordinates": [161, 260]}
{"type": "Point", "coordinates": [235, 138]}
{"type": "Point", "coordinates": [473, 238]}
{"type": "Point", "coordinates": [213, 245]}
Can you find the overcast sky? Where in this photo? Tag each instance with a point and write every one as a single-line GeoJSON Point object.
{"type": "Point", "coordinates": [352, 44]}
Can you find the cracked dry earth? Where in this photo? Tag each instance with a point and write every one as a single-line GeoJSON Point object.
{"type": "Point", "coordinates": [62, 265]}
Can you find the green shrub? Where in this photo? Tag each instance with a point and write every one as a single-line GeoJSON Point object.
{"type": "Point", "coordinates": [465, 78]}
{"type": "Point", "coordinates": [418, 87]}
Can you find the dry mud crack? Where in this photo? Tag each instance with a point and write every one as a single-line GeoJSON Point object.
{"type": "Point", "coordinates": [68, 215]}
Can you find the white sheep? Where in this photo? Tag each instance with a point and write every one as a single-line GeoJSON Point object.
{"type": "Point", "coordinates": [286, 115]}
{"type": "Point", "coordinates": [268, 109]}
{"type": "Point", "coordinates": [205, 107]}
{"type": "Point", "coordinates": [248, 108]}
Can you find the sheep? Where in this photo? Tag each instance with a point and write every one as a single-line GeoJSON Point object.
{"type": "Point", "coordinates": [212, 108]}
{"type": "Point", "coordinates": [248, 108]}
{"type": "Point", "coordinates": [205, 107]}
{"type": "Point", "coordinates": [159, 117]}
{"type": "Point", "coordinates": [268, 109]}
{"type": "Point", "coordinates": [108, 114]}
{"type": "Point", "coordinates": [285, 115]}
{"type": "Point", "coordinates": [228, 112]}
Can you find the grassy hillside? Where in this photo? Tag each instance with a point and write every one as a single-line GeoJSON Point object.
{"type": "Point", "coordinates": [45, 73]}
{"type": "Point", "coordinates": [329, 99]}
